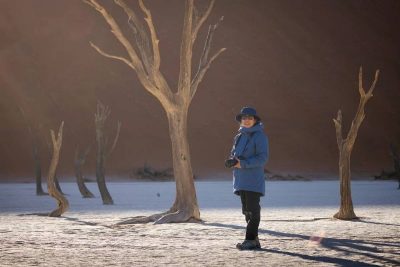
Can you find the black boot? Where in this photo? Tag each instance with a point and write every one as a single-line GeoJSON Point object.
{"type": "Point", "coordinates": [249, 244]}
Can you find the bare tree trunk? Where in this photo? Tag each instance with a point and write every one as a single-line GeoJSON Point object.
{"type": "Point", "coordinates": [346, 211]}
{"type": "Point", "coordinates": [80, 159]}
{"type": "Point", "coordinates": [101, 181]}
{"type": "Point", "coordinates": [100, 118]}
{"type": "Point", "coordinates": [38, 171]}
{"type": "Point", "coordinates": [185, 207]}
{"type": "Point", "coordinates": [396, 162]}
{"type": "Point", "coordinates": [62, 202]}
{"type": "Point", "coordinates": [35, 154]}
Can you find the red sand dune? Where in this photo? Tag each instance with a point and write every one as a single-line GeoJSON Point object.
{"type": "Point", "coordinates": [295, 61]}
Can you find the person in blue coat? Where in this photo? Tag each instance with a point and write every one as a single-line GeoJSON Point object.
{"type": "Point", "coordinates": [248, 157]}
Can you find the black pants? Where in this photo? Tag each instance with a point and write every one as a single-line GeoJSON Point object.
{"type": "Point", "coordinates": [251, 210]}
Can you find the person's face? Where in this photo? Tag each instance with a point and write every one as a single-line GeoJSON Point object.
{"type": "Point", "coordinates": [247, 121]}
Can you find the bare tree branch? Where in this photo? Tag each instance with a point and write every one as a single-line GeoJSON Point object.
{"type": "Point", "coordinates": [101, 52]}
{"type": "Point", "coordinates": [116, 138]}
{"type": "Point", "coordinates": [371, 89]}
{"type": "Point", "coordinates": [155, 83]}
{"type": "Point", "coordinates": [205, 62]}
{"type": "Point", "coordinates": [90, 4]}
{"type": "Point", "coordinates": [186, 49]}
{"type": "Point", "coordinates": [198, 21]}
{"type": "Point", "coordinates": [338, 126]}
{"type": "Point", "coordinates": [156, 75]}
{"type": "Point", "coordinates": [360, 115]}
{"type": "Point", "coordinates": [199, 77]}
{"type": "Point", "coordinates": [153, 34]}
{"type": "Point", "coordinates": [360, 82]}
{"type": "Point", "coordinates": [142, 41]}
{"type": "Point", "coordinates": [102, 113]}
{"type": "Point", "coordinates": [57, 142]}
{"type": "Point", "coordinates": [142, 44]}
{"type": "Point", "coordinates": [116, 30]}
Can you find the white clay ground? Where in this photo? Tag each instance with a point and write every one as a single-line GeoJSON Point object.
{"type": "Point", "coordinates": [297, 228]}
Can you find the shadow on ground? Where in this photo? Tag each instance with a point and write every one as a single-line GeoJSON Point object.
{"type": "Point", "coordinates": [365, 248]}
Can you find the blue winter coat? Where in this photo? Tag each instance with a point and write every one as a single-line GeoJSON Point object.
{"type": "Point", "coordinates": [251, 147]}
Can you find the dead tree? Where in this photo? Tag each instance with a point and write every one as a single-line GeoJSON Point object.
{"type": "Point", "coordinates": [144, 58]}
{"type": "Point", "coordinates": [62, 202]}
{"type": "Point", "coordinates": [80, 158]}
{"type": "Point", "coordinates": [346, 211]}
{"type": "Point", "coordinates": [36, 156]}
{"type": "Point", "coordinates": [102, 144]}
{"type": "Point", "coordinates": [396, 162]}
{"type": "Point", "coordinates": [56, 182]}
{"type": "Point", "coordinates": [38, 170]}
{"type": "Point", "coordinates": [395, 173]}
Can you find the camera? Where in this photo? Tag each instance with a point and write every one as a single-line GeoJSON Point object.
{"type": "Point", "coordinates": [229, 163]}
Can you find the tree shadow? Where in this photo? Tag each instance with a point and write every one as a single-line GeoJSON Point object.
{"type": "Point", "coordinates": [297, 220]}
{"type": "Point", "coordinates": [325, 259]}
{"type": "Point", "coordinates": [362, 220]}
{"type": "Point", "coordinates": [346, 246]}
{"type": "Point", "coordinates": [67, 218]}
{"type": "Point", "coordinates": [82, 222]}
{"type": "Point", "coordinates": [42, 214]}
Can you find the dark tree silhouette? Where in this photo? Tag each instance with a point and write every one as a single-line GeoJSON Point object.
{"type": "Point", "coordinates": [102, 145]}
{"type": "Point", "coordinates": [80, 158]}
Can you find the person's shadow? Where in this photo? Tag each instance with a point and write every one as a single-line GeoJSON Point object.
{"type": "Point", "coordinates": [347, 246]}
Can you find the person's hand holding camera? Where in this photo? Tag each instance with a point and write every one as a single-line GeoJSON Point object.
{"type": "Point", "coordinates": [232, 163]}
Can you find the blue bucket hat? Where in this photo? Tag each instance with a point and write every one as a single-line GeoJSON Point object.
{"type": "Point", "coordinates": [247, 111]}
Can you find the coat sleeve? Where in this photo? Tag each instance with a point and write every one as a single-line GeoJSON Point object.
{"type": "Point", "coordinates": [260, 157]}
